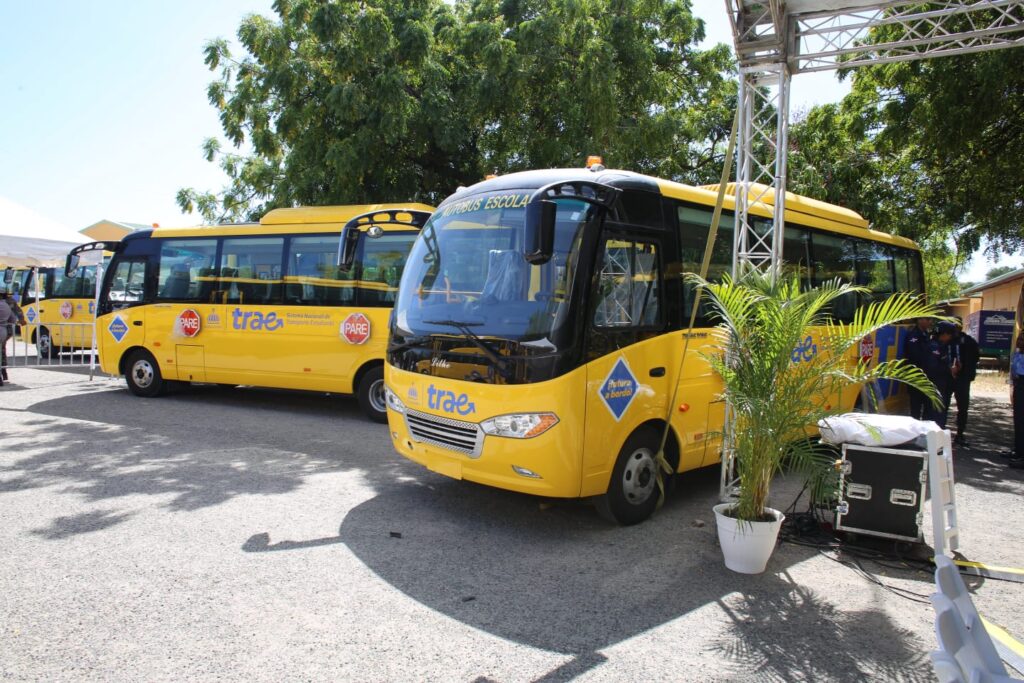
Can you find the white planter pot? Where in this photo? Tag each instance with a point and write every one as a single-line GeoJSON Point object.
{"type": "Point", "coordinates": [747, 545]}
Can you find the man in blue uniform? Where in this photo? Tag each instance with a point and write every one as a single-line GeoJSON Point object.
{"type": "Point", "coordinates": [966, 353]}
{"type": "Point", "coordinates": [915, 351]}
{"type": "Point", "coordinates": [941, 372]}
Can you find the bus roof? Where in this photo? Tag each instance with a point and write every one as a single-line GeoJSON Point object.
{"type": "Point", "coordinates": [281, 221]}
{"type": "Point", "coordinates": [799, 209]}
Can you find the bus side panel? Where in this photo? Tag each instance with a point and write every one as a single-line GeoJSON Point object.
{"type": "Point", "coordinates": [698, 412]}
{"type": "Point", "coordinates": [161, 337]}
{"type": "Point", "coordinates": [624, 390]}
{"type": "Point", "coordinates": [116, 333]}
{"type": "Point", "coordinates": [291, 347]}
{"type": "Point", "coordinates": [69, 322]}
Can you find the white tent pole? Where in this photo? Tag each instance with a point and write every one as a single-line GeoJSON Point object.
{"type": "Point", "coordinates": [96, 313]}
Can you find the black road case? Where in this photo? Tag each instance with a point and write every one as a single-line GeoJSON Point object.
{"type": "Point", "coordinates": [881, 492]}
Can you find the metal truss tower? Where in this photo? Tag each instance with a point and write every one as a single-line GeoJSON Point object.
{"type": "Point", "coordinates": [776, 39]}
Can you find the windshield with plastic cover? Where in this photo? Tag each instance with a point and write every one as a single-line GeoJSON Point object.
{"type": "Point", "coordinates": [466, 277]}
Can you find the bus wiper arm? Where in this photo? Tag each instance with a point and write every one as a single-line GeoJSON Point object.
{"type": "Point", "coordinates": [409, 343]}
{"type": "Point", "coordinates": [464, 326]}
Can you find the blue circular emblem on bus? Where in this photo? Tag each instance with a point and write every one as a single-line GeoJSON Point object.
{"type": "Point", "coordinates": [619, 388]}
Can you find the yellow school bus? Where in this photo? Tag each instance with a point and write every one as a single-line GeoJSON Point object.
{"type": "Point", "coordinates": [59, 310]}
{"type": "Point", "coordinates": [298, 301]}
{"type": "Point", "coordinates": [541, 320]}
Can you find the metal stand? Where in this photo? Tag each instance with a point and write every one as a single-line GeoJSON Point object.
{"type": "Point", "coordinates": [775, 39]}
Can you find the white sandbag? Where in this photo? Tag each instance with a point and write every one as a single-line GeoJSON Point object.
{"type": "Point", "coordinates": [868, 429]}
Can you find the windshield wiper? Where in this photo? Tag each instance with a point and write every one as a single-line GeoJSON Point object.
{"type": "Point", "coordinates": [464, 326]}
{"type": "Point", "coordinates": [410, 342]}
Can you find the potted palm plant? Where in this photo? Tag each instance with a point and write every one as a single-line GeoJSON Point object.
{"type": "Point", "coordinates": [784, 365]}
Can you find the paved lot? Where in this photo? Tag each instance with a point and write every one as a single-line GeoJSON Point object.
{"type": "Point", "coordinates": [245, 534]}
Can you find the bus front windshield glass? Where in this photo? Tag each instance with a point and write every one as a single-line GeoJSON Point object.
{"type": "Point", "coordinates": [466, 275]}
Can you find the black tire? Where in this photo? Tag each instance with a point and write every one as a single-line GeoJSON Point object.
{"type": "Point", "coordinates": [142, 373]}
{"type": "Point", "coordinates": [632, 494]}
{"type": "Point", "coordinates": [371, 394]}
{"type": "Point", "coordinates": [44, 344]}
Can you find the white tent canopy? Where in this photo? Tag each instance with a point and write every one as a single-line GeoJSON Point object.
{"type": "Point", "coordinates": [29, 251]}
{"type": "Point", "coordinates": [28, 238]}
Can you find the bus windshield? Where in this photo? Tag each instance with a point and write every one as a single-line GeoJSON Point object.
{"type": "Point", "coordinates": [466, 276]}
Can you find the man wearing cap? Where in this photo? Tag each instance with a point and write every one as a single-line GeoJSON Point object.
{"type": "Point", "coordinates": [965, 352]}
{"type": "Point", "coordinates": [916, 352]}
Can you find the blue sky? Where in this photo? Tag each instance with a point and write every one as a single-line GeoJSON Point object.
{"type": "Point", "coordinates": [104, 103]}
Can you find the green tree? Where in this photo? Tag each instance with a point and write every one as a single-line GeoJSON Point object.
{"type": "Point", "coordinates": [993, 273]}
{"type": "Point", "coordinates": [340, 102]}
{"type": "Point", "coordinates": [381, 100]}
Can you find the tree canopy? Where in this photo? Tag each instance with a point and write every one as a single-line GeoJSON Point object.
{"type": "Point", "coordinates": [387, 100]}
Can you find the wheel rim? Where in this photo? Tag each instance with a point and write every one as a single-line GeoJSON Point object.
{"type": "Point", "coordinates": [639, 476]}
{"type": "Point", "coordinates": [376, 396]}
{"type": "Point", "coordinates": [142, 373]}
{"type": "Point", "coordinates": [44, 343]}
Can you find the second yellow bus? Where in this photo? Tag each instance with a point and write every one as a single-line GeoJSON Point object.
{"type": "Point", "coordinates": [298, 301]}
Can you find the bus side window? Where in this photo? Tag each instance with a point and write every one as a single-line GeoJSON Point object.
{"type": "Point", "coordinates": [251, 270]}
{"type": "Point", "coordinates": [628, 285]}
{"type": "Point", "coordinates": [128, 283]}
{"type": "Point", "coordinates": [908, 271]}
{"type": "Point", "coordinates": [796, 254]}
{"type": "Point", "coordinates": [834, 257]}
{"type": "Point", "coordinates": [694, 228]}
{"type": "Point", "coordinates": [181, 265]}
{"type": "Point", "coordinates": [874, 271]}
{"type": "Point", "coordinates": [312, 276]}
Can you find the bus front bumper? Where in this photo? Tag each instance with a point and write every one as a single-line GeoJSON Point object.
{"type": "Point", "coordinates": [545, 465]}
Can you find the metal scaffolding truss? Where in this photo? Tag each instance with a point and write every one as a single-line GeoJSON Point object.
{"type": "Point", "coordinates": [830, 40]}
{"type": "Point", "coordinates": [775, 39]}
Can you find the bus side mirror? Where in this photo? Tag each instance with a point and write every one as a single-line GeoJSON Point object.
{"type": "Point", "coordinates": [540, 232]}
{"type": "Point", "coordinates": [347, 247]}
{"type": "Point", "coordinates": [71, 265]}
{"type": "Point", "coordinates": [8, 275]}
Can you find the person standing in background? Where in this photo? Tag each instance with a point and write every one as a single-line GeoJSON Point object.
{"type": "Point", "coordinates": [7, 322]}
{"type": "Point", "coordinates": [916, 352]}
{"type": "Point", "coordinates": [1017, 402]}
{"type": "Point", "coordinates": [941, 371]}
{"type": "Point", "coordinates": [965, 352]}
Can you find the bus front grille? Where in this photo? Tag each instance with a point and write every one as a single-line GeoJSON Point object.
{"type": "Point", "coordinates": [443, 432]}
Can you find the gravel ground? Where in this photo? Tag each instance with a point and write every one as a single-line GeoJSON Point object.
{"type": "Point", "coordinates": [248, 534]}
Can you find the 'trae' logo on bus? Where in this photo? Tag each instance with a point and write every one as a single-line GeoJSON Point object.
{"type": "Point", "coordinates": [355, 329]}
{"type": "Point", "coordinates": [439, 399]}
{"type": "Point", "coordinates": [254, 320]}
{"type": "Point", "coordinates": [188, 324]}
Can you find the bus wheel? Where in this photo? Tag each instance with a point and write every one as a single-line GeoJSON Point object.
{"type": "Point", "coordinates": [45, 344]}
{"type": "Point", "coordinates": [371, 395]}
{"type": "Point", "coordinates": [633, 490]}
{"type": "Point", "coordinates": [143, 375]}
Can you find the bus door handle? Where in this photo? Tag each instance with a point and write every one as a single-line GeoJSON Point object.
{"type": "Point", "coordinates": [657, 372]}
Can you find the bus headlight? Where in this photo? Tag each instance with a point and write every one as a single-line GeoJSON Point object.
{"type": "Point", "coordinates": [519, 425]}
{"type": "Point", "coordinates": [394, 403]}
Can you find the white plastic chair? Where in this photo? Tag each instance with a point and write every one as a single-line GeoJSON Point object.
{"type": "Point", "coordinates": [946, 668]}
{"type": "Point", "coordinates": [951, 586]}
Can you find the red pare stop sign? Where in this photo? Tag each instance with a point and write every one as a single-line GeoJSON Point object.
{"type": "Point", "coordinates": [355, 329]}
{"type": "Point", "coordinates": [867, 349]}
{"type": "Point", "coordinates": [189, 323]}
